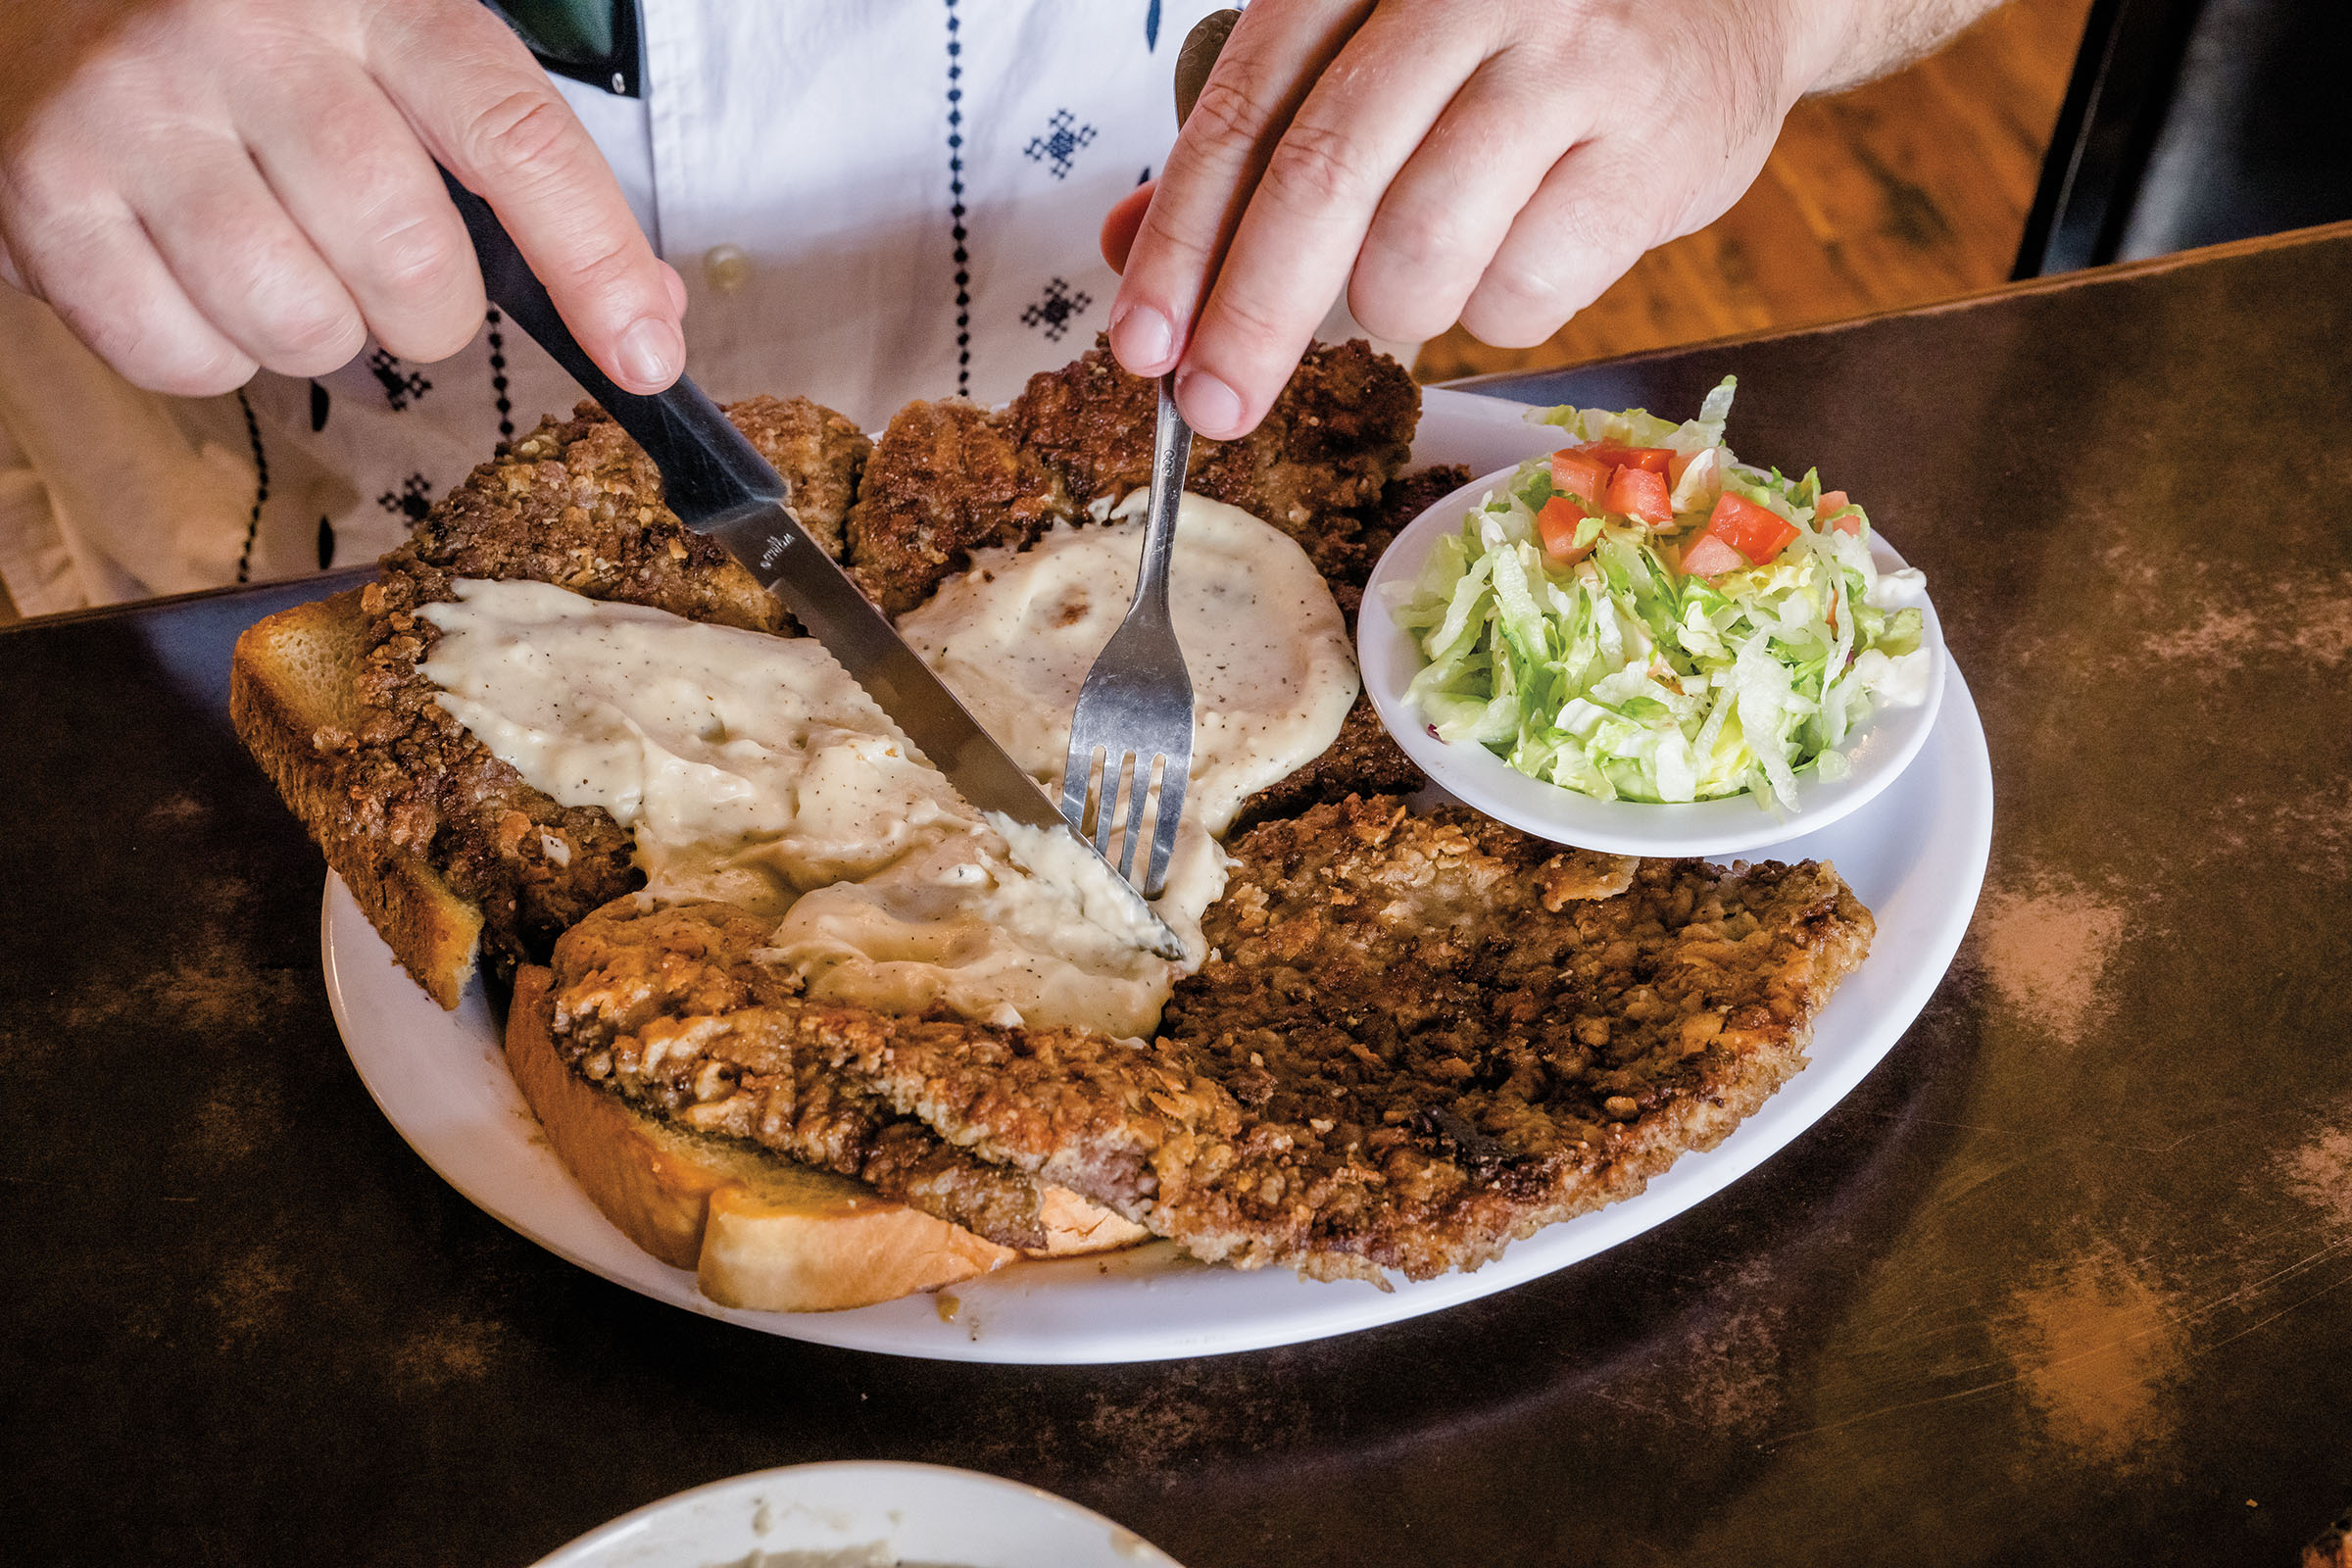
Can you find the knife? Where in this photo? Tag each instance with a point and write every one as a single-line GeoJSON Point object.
{"type": "Point", "coordinates": [720, 486]}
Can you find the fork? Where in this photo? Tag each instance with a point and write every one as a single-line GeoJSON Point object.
{"type": "Point", "coordinates": [1135, 713]}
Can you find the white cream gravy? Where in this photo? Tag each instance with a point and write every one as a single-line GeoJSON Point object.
{"type": "Point", "coordinates": [753, 769]}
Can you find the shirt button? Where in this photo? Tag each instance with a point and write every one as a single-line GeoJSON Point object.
{"type": "Point", "coordinates": [728, 267]}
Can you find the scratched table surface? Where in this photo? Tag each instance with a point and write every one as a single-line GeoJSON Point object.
{"type": "Point", "coordinates": [2061, 1282]}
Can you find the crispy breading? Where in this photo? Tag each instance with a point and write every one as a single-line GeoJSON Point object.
{"type": "Point", "coordinates": [1464, 1032]}
{"type": "Point", "coordinates": [950, 478]}
{"type": "Point", "coordinates": [944, 480]}
{"type": "Point", "coordinates": [1418, 1038]}
{"type": "Point", "coordinates": [1340, 430]}
{"type": "Point", "coordinates": [577, 503]}
{"type": "Point", "coordinates": [1405, 498]}
{"type": "Point", "coordinates": [670, 1009]}
{"type": "Point", "coordinates": [1363, 760]}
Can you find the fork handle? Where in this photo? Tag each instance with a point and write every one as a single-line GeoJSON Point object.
{"type": "Point", "coordinates": [1171, 453]}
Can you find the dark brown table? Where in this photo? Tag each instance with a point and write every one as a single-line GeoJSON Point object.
{"type": "Point", "coordinates": [2063, 1282]}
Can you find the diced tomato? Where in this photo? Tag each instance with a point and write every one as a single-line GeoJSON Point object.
{"type": "Point", "coordinates": [1641, 493]}
{"type": "Point", "coordinates": [1709, 556]}
{"type": "Point", "coordinates": [1834, 511]}
{"type": "Point", "coordinates": [1557, 523]}
{"type": "Point", "coordinates": [1756, 533]}
{"type": "Point", "coordinates": [1650, 459]}
{"type": "Point", "coordinates": [1577, 474]}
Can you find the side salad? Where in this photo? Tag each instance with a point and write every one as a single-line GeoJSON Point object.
{"type": "Point", "coordinates": [1642, 616]}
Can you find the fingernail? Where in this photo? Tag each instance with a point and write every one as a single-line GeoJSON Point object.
{"type": "Point", "coordinates": [1210, 406]}
{"type": "Point", "coordinates": [651, 353]}
{"type": "Point", "coordinates": [1141, 338]}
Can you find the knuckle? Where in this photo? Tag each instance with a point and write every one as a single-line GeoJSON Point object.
{"type": "Point", "coordinates": [1512, 310]}
{"type": "Point", "coordinates": [1421, 244]}
{"type": "Point", "coordinates": [606, 273]}
{"type": "Point", "coordinates": [1316, 166]}
{"type": "Point", "coordinates": [311, 340]}
{"type": "Point", "coordinates": [175, 358]}
{"type": "Point", "coordinates": [419, 258]}
{"type": "Point", "coordinates": [1229, 112]}
{"type": "Point", "coordinates": [1514, 289]}
{"type": "Point", "coordinates": [1243, 318]}
{"type": "Point", "coordinates": [1399, 315]}
{"type": "Point", "coordinates": [525, 134]}
{"type": "Point", "coordinates": [431, 342]}
{"type": "Point", "coordinates": [294, 317]}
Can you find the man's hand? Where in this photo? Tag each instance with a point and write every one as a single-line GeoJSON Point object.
{"type": "Point", "coordinates": [1496, 162]}
{"type": "Point", "coordinates": [201, 186]}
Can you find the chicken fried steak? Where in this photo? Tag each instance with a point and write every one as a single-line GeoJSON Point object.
{"type": "Point", "coordinates": [1464, 1032]}
{"type": "Point", "coordinates": [670, 1009]}
{"type": "Point", "coordinates": [949, 478]}
{"type": "Point", "coordinates": [578, 504]}
{"type": "Point", "coordinates": [1419, 1038]}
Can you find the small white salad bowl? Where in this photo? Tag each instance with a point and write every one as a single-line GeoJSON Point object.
{"type": "Point", "coordinates": [1877, 750]}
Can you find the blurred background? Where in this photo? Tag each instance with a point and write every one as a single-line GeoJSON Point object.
{"type": "Point", "coordinates": [2054, 135]}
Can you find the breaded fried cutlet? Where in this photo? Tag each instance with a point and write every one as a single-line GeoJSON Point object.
{"type": "Point", "coordinates": [1418, 1038]}
{"type": "Point", "coordinates": [949, 478]}
{"type": "Point", "coordinates": [1465, 1033]}
{"type": "Point", "coordinates": [578, 504]}
{"type": "Point", "coordinates": [1363, 760]}
{"type": "Point", "coordinates": [668, 1009]}
{"type": "Point", "coordinates": [945, 479]}
{"type": "Point", "coordinates": [1340, 430]}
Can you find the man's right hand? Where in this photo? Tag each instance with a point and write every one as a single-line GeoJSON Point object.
{"type": "Point", "coordinates": [198, 187]}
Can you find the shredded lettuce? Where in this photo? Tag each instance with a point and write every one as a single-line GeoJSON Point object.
{"type": "Point", "coordinates": [1621, 678]}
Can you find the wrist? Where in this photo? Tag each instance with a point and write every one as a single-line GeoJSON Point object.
{"type": "Point", "coordinates": [1817, 40]}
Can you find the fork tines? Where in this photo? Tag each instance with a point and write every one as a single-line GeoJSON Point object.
{"type": "Point", "coordinates": [1107, 799]}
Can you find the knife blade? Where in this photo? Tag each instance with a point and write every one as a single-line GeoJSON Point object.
{"type": "Point", "coordinates": [720, 486]}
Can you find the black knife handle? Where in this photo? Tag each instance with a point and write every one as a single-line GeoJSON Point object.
{"type": "Point", "coordinates": [716, 471]}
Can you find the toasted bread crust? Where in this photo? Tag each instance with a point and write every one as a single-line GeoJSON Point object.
{"type": "Point", "coordinates": [761, 1231]}
{"type": "Point", "coordinates": [290, 696]}
{"type": "Point", "coordinates": [615, 971]}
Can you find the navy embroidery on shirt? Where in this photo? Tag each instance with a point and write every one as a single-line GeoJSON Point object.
{"type": "Point", "coordinates": [318, 403]}
{"type": "Point", "coordinates": [1151, 25]}
{"type": "Point", "coordinates": [400, 387]}
{"type": "Point", "coordinates": [413, 500]}
{"type": "Point", "coordinates": [1055, 311]}
{"type": "Point", "coordinates": [498, 376]}
{"type": "Point", "coordinates": [260, 486]}
{"type": "Point", "coordinates": [963, 254]}
{"type": "Point", "coordinates": [326, 544]}
{"type": "Point", "coordinates": [1061, 143]}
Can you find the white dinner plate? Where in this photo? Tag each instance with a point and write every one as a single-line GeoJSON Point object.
{"type": "Point", "coordinates": [917, 1513]}
{"type": "Point", "coordinates": [1877, 751]}
{"type": "Point", "coordinates": [1915, 856]}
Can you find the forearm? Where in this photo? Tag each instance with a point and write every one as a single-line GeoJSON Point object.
{"type": "Point", "coordinates": [1877, 37]}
